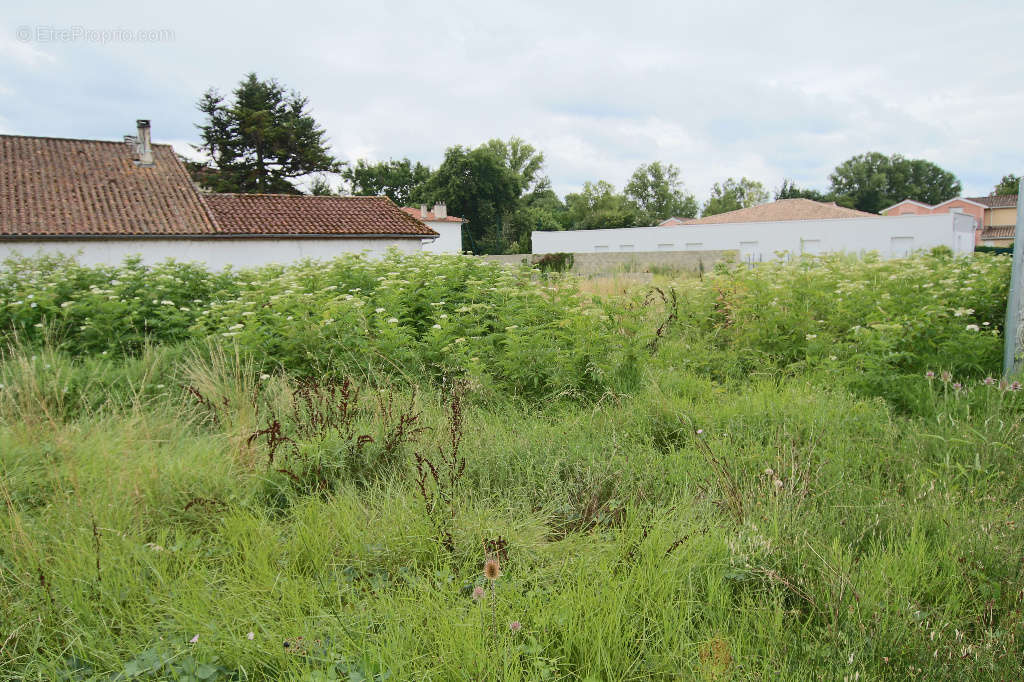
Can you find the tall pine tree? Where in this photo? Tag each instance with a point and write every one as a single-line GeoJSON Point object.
{"type": "Point", "coordinates": [260, 141]}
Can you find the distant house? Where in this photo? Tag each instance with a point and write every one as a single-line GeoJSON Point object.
{"type": "Point", "coordinates": [785, 209]}
{"type": "Point", "coordinates": [999, 222]}
{"type": "Point", "coordinates": [995, 216]}
{"type": "Point", "coordinates": [795, 226]}
{"type": "Point", "coordinates": [670, 222]}
{"type": "Point", "coordinates": [448, 227]}
{"type": "Point", "coordinates": [105, 201]}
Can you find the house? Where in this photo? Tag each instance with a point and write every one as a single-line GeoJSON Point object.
{"type": "Point", "coordinates": [672, 221]}
{"type": "Point", "coordinates": [759, 232]}
{"type": "Point", "coordinates": [105, 201]}
{"type": "Point", "coordinates": [994, 216]}
{"type": "Point", "coordinates": [448, 227]}
{"type": "Point", "coordinates": [999, 222]}
{"type": "Point", "coordinates": [785, 209]}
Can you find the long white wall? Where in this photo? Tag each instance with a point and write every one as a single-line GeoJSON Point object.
{"type": "Point", "coordinates": [889, 236]}
{"type": "Point", "coordinates": [215, 253]}
{"type": "Point", "coordinates": [450, 240]}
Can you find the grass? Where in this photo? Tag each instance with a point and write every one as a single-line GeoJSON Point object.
{"type": "Point", "coordinates": [783, 523]}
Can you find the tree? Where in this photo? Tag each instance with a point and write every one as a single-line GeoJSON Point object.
{"type": "Point", "coordinates": [522, 158]}
{"type": "Point", "coordinates": [541, 209]}
{"type": "Point", "coordinates": [1010, 184]}
{"type": "Point", "coordinates": [260, 140]}
{"type": "Point", "coordinates": [321, 187]}
{"type": "Point", "coordinates": [476, 185]}
{"type": "Point", "coordinates": [733, 195]}
{"type": "Point", "coordinates": [658, 193]}
{"type": "Point", "coordinates": [398, 179]}
{"type": "Point", "coordinates": [789, 190]}
{"type": "Point", "coordinates": [873, 181]}
{"type": "Point", "coordinates": [499, 188]}
{"type": "Point", "coordinates": [598, 206]}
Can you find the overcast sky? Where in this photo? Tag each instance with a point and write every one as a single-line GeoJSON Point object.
{"type": "Point", "coordinates": [765, 90]}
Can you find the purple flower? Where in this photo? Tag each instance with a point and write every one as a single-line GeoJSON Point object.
{"type": "Point", "coordinates": [478, 593]}
{"type": "Point", "coordinates": [946, 377]}
{"type": "Point", "coordinates": [515, 626]}
{"type": "Point", "coordinates": [1015, 386]}
{"type": "Point", "coordinates": [700, 431]}
{"type": "Point", "coordinates": [929, 375]}
{"type": "Point", "coordinates": [988, 381]}
{"type": "Point", "coordinates": [194, 639]}
{"type": "Point", "coordinates": [957, 386]}
{"type": "Point", "coordinates": [251, 635]}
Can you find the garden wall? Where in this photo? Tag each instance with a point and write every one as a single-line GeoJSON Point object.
{"type": "Point", "coordinates": [636, 261]}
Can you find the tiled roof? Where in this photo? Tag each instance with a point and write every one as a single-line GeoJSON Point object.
{"type": "Point", "coordinates": [416, 213]}
{"type": "Point", "coordinates": [296, 214]}
{"type": "Point", "coordinates": [998, 201]}
{"type": "Point", "coordinates": [999, 232]}
{"type": "Point", "coordinates": [64, 188]}
{"type": "Point", "coordinates": [56, 187]}
{"type": "Point", "coordinates": [785, 209]}
{"type": "Point", "coordinates": [670, 222]}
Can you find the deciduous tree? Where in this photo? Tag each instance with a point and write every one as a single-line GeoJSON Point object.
{"type": "Point", "coordinates": [658, 193]}
{"type": "Point", "coordinates": [733, 195]}
{"type": "Point", "coordinates": [476, 184]}
{"type": "Point", "coordinates": [599, 206]}
{"type": "Point", "coordinates": [1010, 184]}
{"type": "Point", "coordinates": [395, 178]}
{"type": "Point", "coordinates": [789, 190]}
{"type": "Point", "coordinates": [873, 181]}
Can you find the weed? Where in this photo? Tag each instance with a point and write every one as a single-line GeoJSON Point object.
{"type": "Point", "coordinates": [438, 479]}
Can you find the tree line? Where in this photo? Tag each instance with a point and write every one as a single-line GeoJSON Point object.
{"type": "Point", "coordinates": [263, 139]}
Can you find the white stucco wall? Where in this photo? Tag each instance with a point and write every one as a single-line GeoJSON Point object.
{"type": "Point", "coordinates": [215, 253]}
{"type": "Point", "coordinates": [450, 240]}
{"type": "Point", "coordinates": [889, 236]}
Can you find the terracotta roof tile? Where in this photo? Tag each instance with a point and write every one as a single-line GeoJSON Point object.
{"type": "Point", "coordinates": [999, 232]}
{"type": "Point", "coordinates": [56, 187]}
{"type": "Point", "coordinates": [61, 187]}
{"type": "Point", "coordinates": [417, 213]}
{"type": "Point", "coordinates": [296, 214]}
{"type": "Point", "coordinates": [997, 201]}
{"type": "Point", "coordinates": [785, 209]}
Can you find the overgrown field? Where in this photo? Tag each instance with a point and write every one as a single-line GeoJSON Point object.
{"type": "Point", "coordinates": [434, 468]}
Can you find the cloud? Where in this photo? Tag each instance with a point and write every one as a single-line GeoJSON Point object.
{"type": "Point", "coordinates": [734, 88]}
{"type": "Point", "coordinates": [15, 46]}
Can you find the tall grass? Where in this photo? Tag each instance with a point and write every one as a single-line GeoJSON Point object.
{"type": "Point", "coordinates": [763, 519]}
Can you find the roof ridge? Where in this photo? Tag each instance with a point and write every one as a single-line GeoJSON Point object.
{"type": "Point", "coordinates": [286, 194]}
{"type": "Point", "coordinates": [78, 139]}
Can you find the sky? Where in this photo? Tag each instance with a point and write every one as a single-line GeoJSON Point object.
{"type": "Point", "coordinates": [724, 89]}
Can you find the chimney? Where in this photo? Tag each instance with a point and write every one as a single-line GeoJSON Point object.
{"type": "Point", "coordinates": [145, 144]}
{"type": "Point", "coordinates": [440, 211]}
{"type": "Point", "coordinates": [423, 211]}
